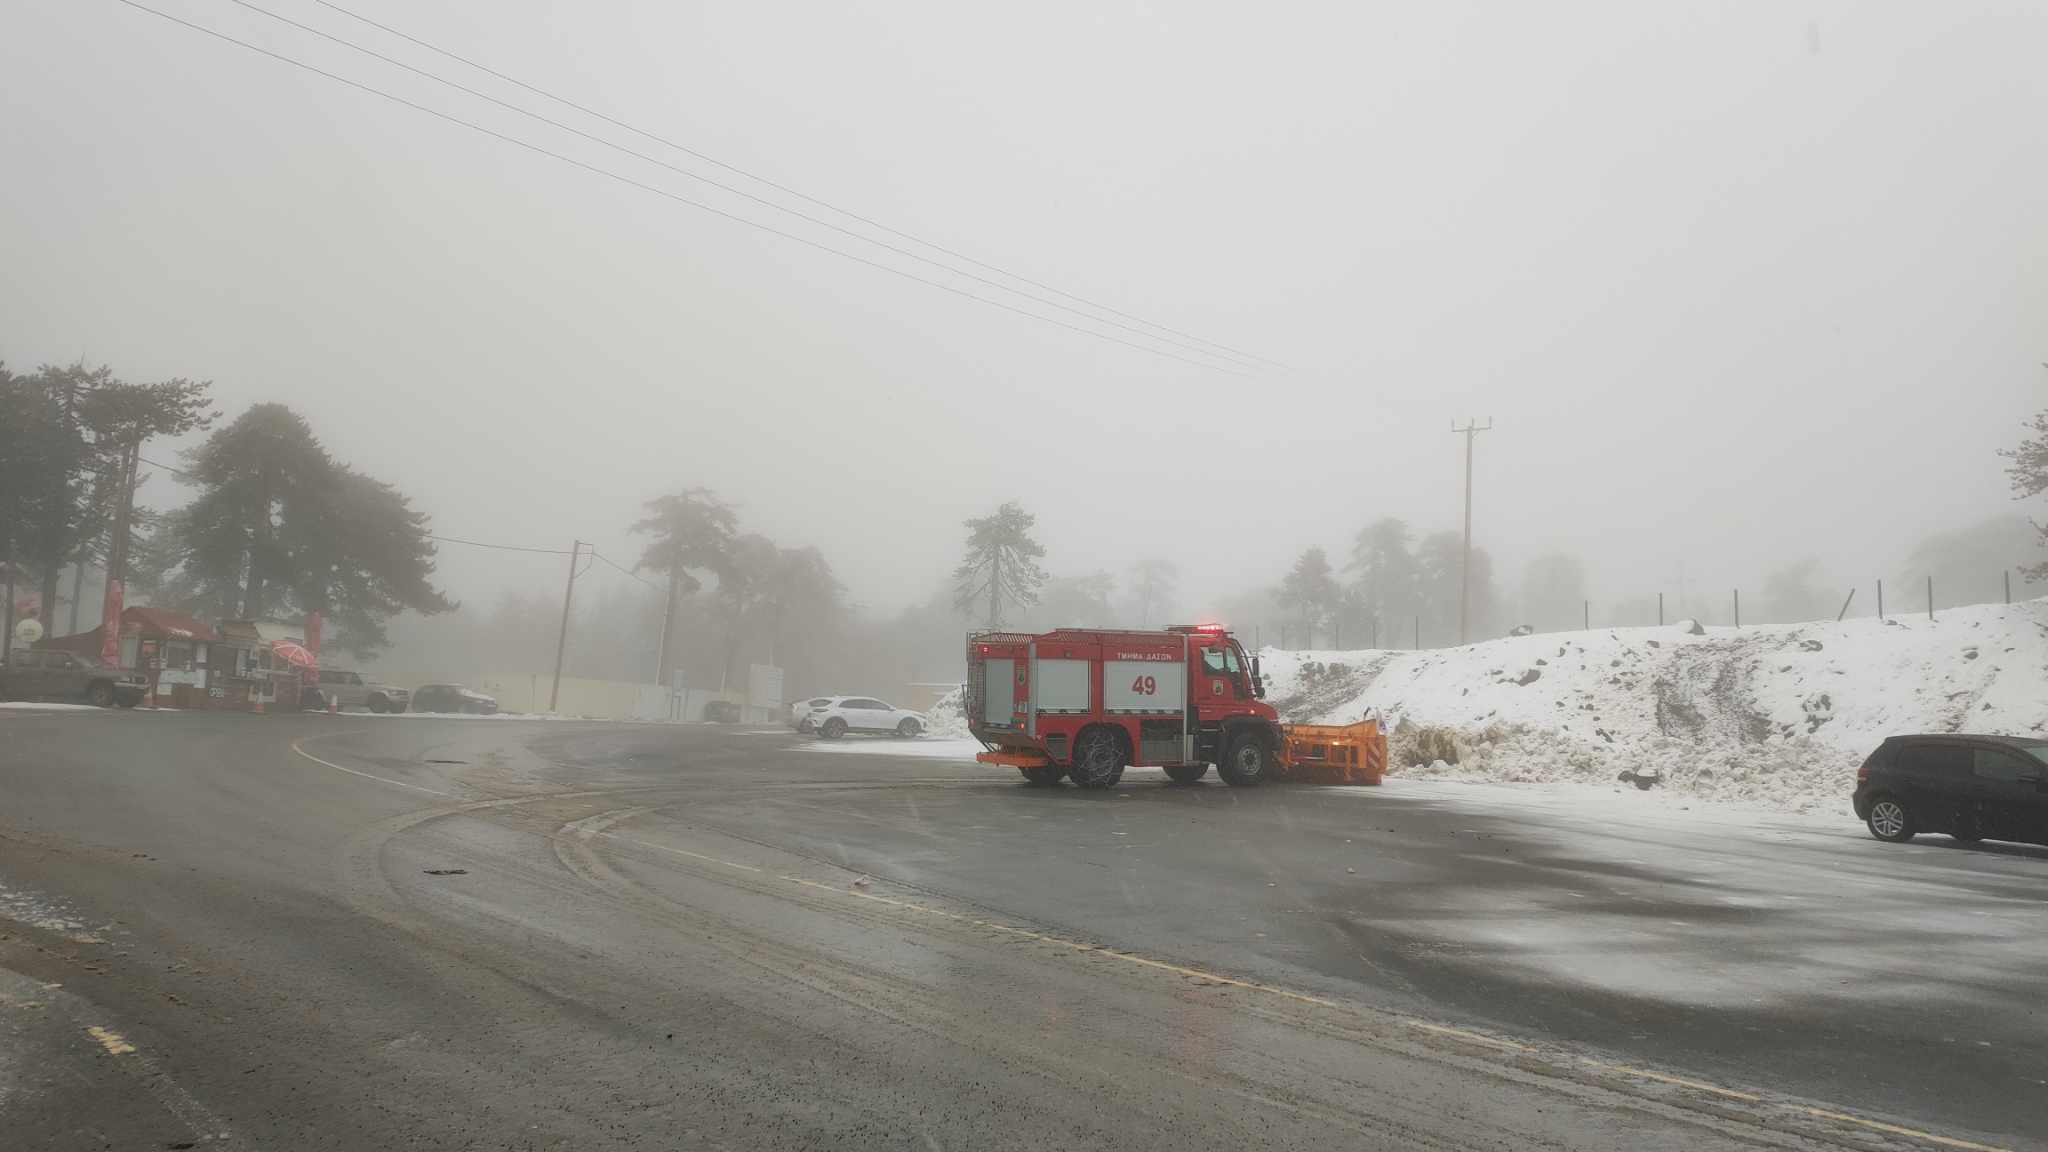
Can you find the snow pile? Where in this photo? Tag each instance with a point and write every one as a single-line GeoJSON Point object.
{"type": "Point", "coordinates": [1777, 715]}
{"type": "Point", "coordinates": [947, 719]}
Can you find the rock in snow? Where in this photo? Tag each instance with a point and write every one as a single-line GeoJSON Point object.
{"type": "Point", "coordinates": [1778, 715]}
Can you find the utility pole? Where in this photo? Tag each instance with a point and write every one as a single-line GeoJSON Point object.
{"type": "Point", "coordinates": [668, 623]}
{"type": "Point", "coordinates": [1470, 431]}
{"type": "Point", "coordinates": [117, 558]}
{"type": "Point", "coordinates": [562, 637]}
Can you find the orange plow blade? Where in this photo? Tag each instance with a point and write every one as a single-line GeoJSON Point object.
{"type": "Point", "coordinates": [1334, 753]}
{"type": "Point", "coordinates": [1009, 759]}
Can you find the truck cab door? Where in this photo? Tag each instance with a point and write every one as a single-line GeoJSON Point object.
{"type": "Point", "coordinates": [1215, 685]}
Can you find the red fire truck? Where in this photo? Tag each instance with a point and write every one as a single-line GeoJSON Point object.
{"type": "Point", "coordinates": [1086, 703]}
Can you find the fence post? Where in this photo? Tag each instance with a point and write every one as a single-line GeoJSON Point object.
{"type": "Point", "coordinates": [1660, 609]}
{"type": "Point", "coordinates": [2008, 584]}
{"type": "Point", "coordinates": [1738, 607]}
{"type": "Point", "coordinates": [1586, 615]}
{"type": "Point", "coordinates": [1418, 633]}
{"type": "Point", "coordinates": [1930, 595]}
{"type": "Point", "coordinates": [1845, 605]}
{"type": "Point", "coordinates": [1880, 601]}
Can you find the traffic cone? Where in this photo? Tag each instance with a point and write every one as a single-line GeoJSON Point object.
{"type": "Point", "coordinates": [333, 705]}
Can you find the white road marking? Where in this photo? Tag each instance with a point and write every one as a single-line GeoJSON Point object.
{"type": "Point", "coordinates": [370, 776]}
{"type": "Point", "coordinates": [1430, 1027]}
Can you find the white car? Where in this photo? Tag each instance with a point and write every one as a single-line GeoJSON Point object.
{"type": "Point", "coordinates": [845, 714]}
{"type": "Point", "coordinates": [800, 712]}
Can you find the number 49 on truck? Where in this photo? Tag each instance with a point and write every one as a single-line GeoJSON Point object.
{"type": "Point", "coordinates": [1085, 703]}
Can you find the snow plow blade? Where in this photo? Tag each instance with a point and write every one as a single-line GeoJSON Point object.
{"type": "Point", "coordinates": [1332, 753]}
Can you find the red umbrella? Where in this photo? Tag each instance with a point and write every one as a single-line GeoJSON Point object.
{"type": "Point", "coordinates": [292, 652]}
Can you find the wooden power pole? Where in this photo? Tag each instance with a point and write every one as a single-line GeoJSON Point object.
{"type": "Point", "coordinates": [1470, 431]}
{"type": "Point", "coordinates": [562, 637]}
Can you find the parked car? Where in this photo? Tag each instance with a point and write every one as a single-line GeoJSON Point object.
{"type": "Point", "coordinates": [845, 714]}
{"type": "Point", "coordinates": [1969, 787]}
{"type": "Point", "coordinates": [721, 712]}
{"type": "Point", "coordinates": [33, 675]}
{"type": "Point", "coordinates": [451, 698]}
{"type": "Point", "coordinates": [800, 712]}
{"type": "Point", "coordinates": [351, 690]}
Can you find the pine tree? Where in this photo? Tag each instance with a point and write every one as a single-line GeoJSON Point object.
{"type": "Point", "coordinates": [281, 528]}
{"type": "Point", "coordinates": [692, 532]}
{"type": "Point", "coordinates": [2029, 474]}
{"type": "Point", "coordinates": [1310, 589]}
{"type": "Point", "coordinates": [1152, 587]}
{"type": "Point", "coordinates": [1001, 566]}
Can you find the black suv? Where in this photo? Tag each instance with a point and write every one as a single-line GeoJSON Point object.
{"type": "Point", "coordinates": [1970, 787]}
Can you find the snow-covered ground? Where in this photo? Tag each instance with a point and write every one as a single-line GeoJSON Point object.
{"type": "Point", "coordinates": [1776, 716]}
{"type": "Point", "coordinates": [924, 747]}
{"type": "Point", "coordinates": [45, 706]}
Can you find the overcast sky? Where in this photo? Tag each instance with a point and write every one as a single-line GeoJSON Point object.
{"type": "Point", "coordinates": [1738, 284]}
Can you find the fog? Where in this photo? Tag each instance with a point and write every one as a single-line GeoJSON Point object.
{"type": "Point", "coordinates": [1740, 287]}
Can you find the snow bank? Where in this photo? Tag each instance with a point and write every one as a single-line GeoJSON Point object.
{"type": "Point", "coordinates": [947, 719]}
{"type": "Point", "coordinates": [1777, 715]}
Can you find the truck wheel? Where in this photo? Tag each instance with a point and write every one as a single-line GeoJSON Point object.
{"type": "Point", "coordinates": [101, 694]}
{"type": "Point", "coordinates": [1245, 763]}
{"type": "Point", "coordinates": [833, 729]}
{"type": "Point", "coordinates": [1047, 776]}
{"type": "Point", "coordinates": [375, 704]}
{"type": "Point", "coordinates": [1186, 773]}
{"type": "Point", "coordinates": [1098, 759]}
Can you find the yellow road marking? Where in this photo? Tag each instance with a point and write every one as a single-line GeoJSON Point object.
{"type": "Point", "coordinates": [1678, 1081]}
{"type": "Point", "coordinates": [115, 1043]}
{"type": "Point", "coordinates": [1914, 1133]}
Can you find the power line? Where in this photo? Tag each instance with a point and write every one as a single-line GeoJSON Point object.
{"type": "Point", "coordinates": [783, 188]}
{"type": "Point", "coordinates": [623, 572]}
{"type": "Point", "coordinates": [499, 547]}
{"type": "Point", "coordinates": [1242, 360]}
{"type": "Point", "coordinates": [678, 198]}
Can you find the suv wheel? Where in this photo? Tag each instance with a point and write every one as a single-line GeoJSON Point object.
{"type": "Point", "coordinates": [101, 694]}
{"type": "Point", "coordinates": [1889, 821]}
{"type": "Point", "coordinates": [833, 729]}
{"type": "Point", "coordinates": [909, 730]}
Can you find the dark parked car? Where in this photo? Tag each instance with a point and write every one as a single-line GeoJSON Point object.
{"type": "Point", "coordinates": [1970, 787]}
{"type": "Point", "coordinates": [451, 698]}
{"type": "Point", "coordinates": [52, 675]}
{"type": "Point", "coordinates": [721, 712]}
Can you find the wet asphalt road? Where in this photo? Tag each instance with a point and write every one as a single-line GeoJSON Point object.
{"type": "Point", "coordinates": [309, 932]}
